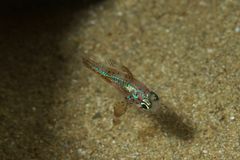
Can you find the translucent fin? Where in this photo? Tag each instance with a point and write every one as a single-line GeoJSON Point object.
{"type": "Point", "coordinates": [121, 67]}
{"type": "Point", "coordinates": [89, 62]}
{"type": "Point", "coordinates": [120, 109]}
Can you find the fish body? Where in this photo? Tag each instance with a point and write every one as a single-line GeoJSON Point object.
{"type": "Point", "coordinates": [122, 79]}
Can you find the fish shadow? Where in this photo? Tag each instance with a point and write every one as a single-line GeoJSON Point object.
{"type": "Point", "coordinates": [173, 124]}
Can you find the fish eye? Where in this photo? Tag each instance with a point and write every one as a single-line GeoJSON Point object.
{"type": "Point", "coordinates": [144, 106]}
{"type": "Point", "coordinates": [153, 96]}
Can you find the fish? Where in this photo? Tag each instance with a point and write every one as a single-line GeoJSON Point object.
{"type": "Point", "coordinates": [120, 77]}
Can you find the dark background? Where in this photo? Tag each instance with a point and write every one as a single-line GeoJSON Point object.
{"type": "Point", "coordinates": [33, 69]}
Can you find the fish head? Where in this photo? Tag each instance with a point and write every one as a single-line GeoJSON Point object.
{"type": "Point", "coordinates": [147, 102]}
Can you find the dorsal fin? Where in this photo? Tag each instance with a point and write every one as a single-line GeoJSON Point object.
{"type": "Point", "coordinates": [120, 67]}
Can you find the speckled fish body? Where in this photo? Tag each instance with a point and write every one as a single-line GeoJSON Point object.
{"type": "Point", "coordinates": [122, 79]}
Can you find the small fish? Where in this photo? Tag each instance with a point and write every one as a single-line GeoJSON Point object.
{"type": "Point", "coordinates": [123, 80]}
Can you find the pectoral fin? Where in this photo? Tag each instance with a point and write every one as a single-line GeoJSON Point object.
{"type": "Point", "coordinates": [119, 109]}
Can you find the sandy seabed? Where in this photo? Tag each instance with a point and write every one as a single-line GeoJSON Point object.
{"type": "Point", "coordinates": [188, 52]}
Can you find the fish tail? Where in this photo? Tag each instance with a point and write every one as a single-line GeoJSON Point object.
{"type": "Point", "coordinates": [94, 66]}
{"type": "Point", "coordinates": [89, 63]}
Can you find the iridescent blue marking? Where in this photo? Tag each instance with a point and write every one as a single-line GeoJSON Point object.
{"type": "Point", "coordinates": [114, 78]}
{"type": "Point", "coordinates": [124, 84]}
